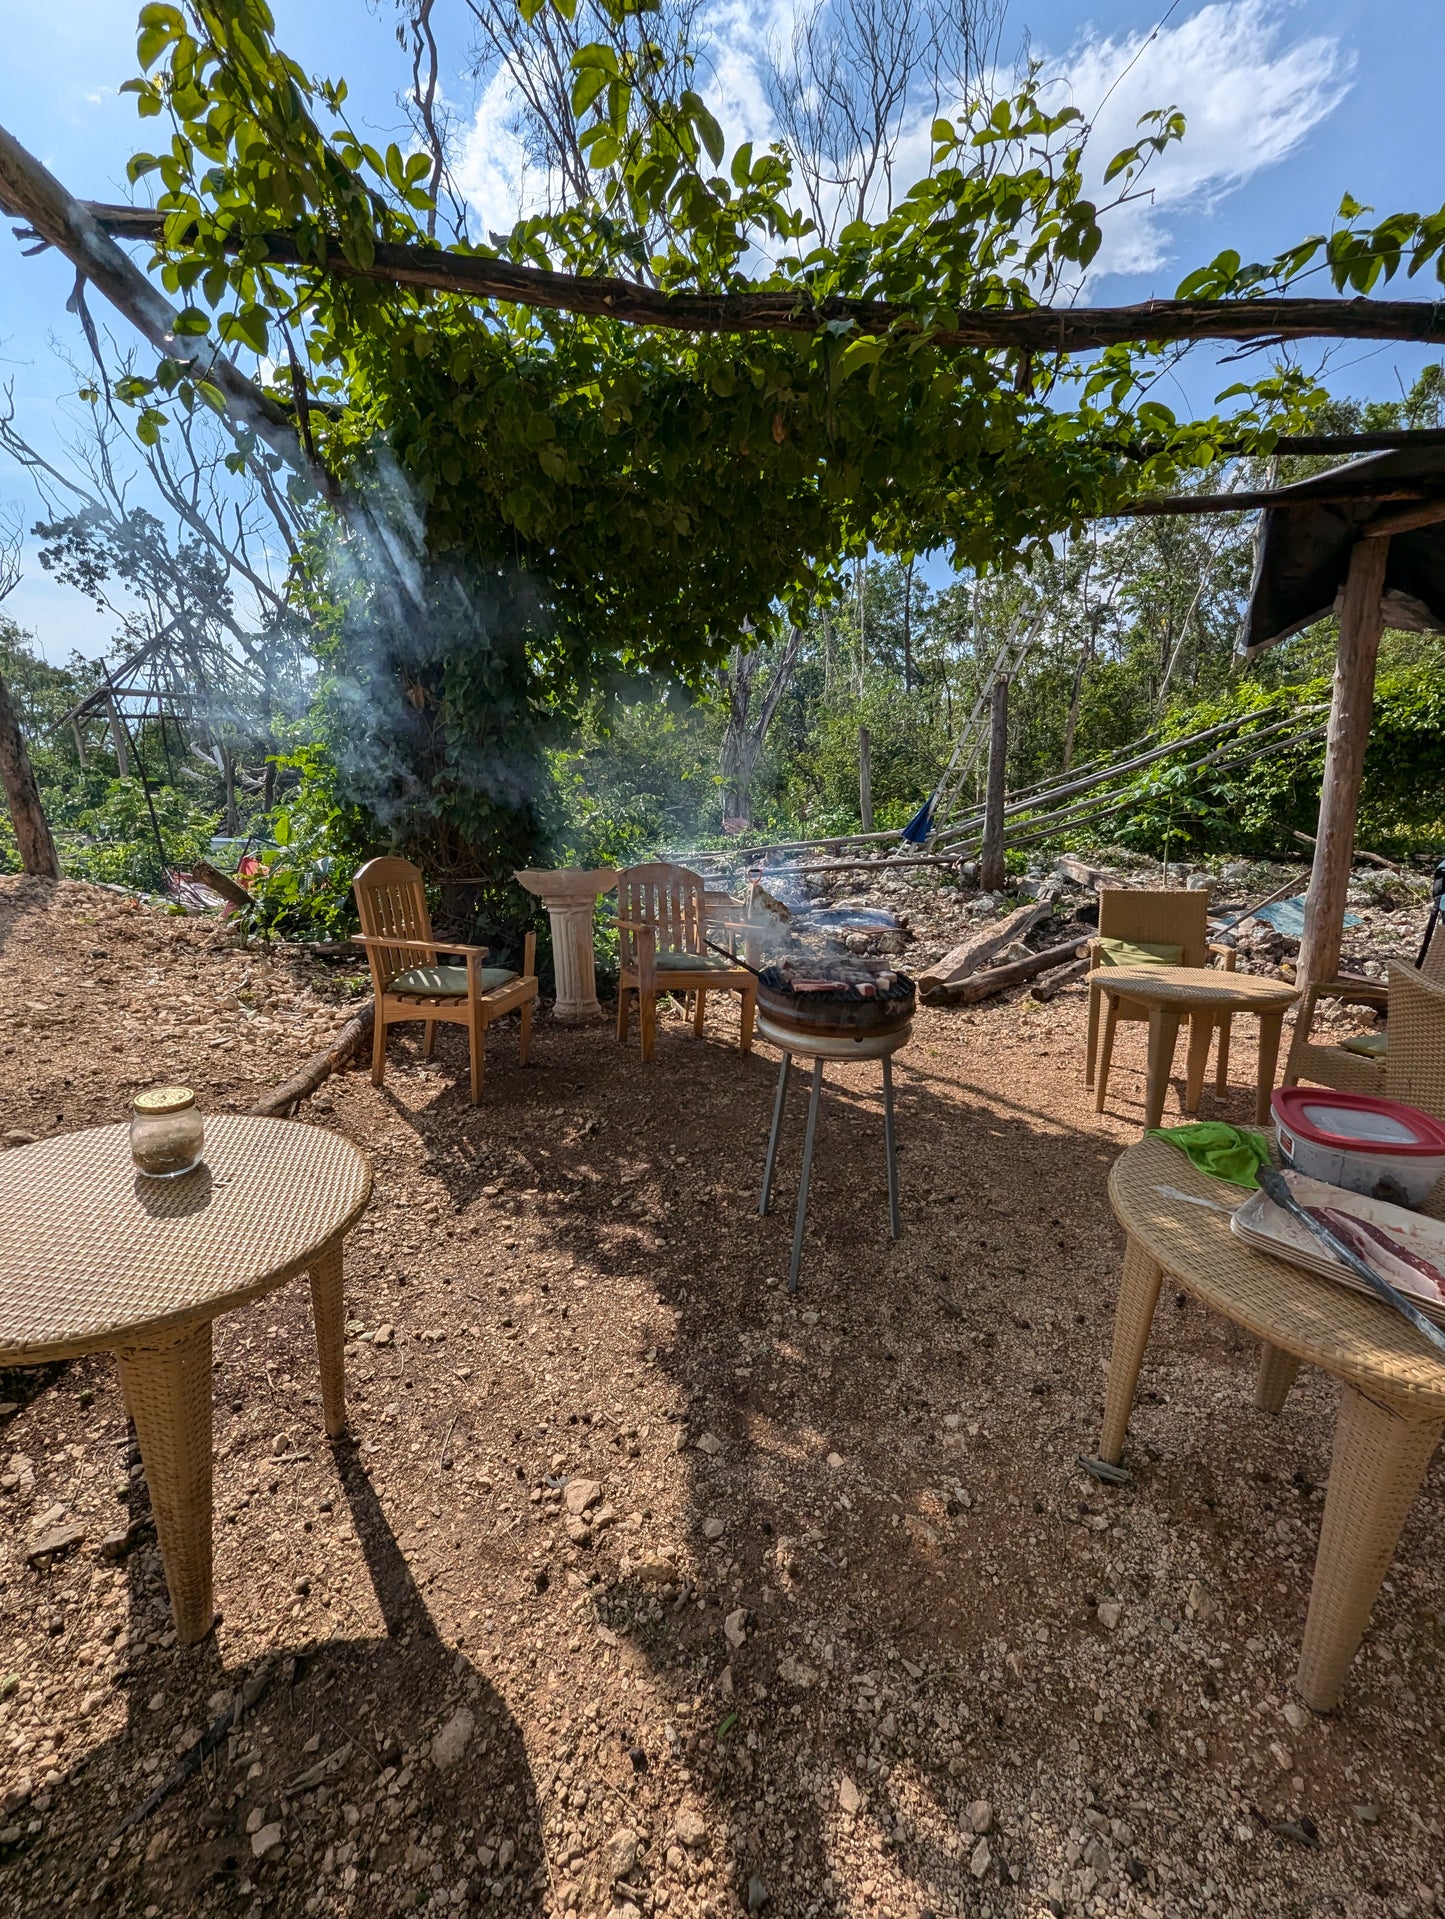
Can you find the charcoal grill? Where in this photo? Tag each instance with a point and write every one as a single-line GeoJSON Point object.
{"type": "Point", "coordinates": [822, 1015]}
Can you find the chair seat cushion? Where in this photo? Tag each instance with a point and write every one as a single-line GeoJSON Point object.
{"type": "Point", "coordinates": [445, 982]}
{"type": "Point", "coordinates": [1367, 1045]}
{"type": "Point", "coordinates": [1139, 953]}
{"type": "Point", "coordinates": [694, 963]}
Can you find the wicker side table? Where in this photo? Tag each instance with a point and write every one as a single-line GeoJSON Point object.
{"type": "Point", "coordinates": [1172, 994]}
{"type": "Point", "coordinates": [94, 1257]}
{"type": "Point", "coordinates": [1392, 1385]}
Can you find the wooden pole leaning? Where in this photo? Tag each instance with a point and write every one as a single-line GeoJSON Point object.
{"type": "Point", "coordinates": [1351, 703]}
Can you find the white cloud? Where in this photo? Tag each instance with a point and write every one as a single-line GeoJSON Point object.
{"type": "Point", "coordinates": [1249, 93]}
{"type": "Point", "coordinates": [493, 172]}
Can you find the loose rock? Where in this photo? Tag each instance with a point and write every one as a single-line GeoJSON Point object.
{"type": "Point", "coordinates": [452, 1741]}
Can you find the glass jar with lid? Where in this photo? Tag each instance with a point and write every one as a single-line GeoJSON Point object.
{"type": "Point", "coordinates": [166, 1131]}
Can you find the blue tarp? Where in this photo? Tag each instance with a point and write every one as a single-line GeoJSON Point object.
{"type": "Point", "coordinates": [918, 828]}
{"type": "Point", "coordinates": [1287, 917]}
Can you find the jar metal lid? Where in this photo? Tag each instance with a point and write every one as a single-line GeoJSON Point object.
{"type": "Point", "coordinates": [163, 1099]}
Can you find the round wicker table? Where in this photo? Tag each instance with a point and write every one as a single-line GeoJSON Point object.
{"type": "Point", "coordinates": [96, 1257]}
{"type": "Point", "coordinates": [1392, 1385]}
{"type": "Point", "coordinates": [1171, 994]}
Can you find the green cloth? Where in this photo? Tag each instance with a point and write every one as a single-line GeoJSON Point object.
{"type": "Point", "coordinates": [694, 963]}
{"type": "Point", "coordinates": [1367, 1045]}
{"type": "Point", "coordinates": [446, 982]}
{"type": "Point", "coordinates": [1225, 1152]}
{"type": "Point", "coordinates": [1138, 953]}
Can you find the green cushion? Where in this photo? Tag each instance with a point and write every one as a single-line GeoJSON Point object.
{"type": "Point", "coordinates": [1367, 1045]}
{"type": "Point", "coordinates": [446, 982]}
{"type": "Point", "coordinates": [693, 963]}
{"type": "Point", "coordinates": [1138, 953]}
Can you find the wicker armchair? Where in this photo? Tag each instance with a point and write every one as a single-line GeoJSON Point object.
{"type": "Point", "coordinates": [1325, 1063]}
{"type": "Point", "coordinates": [1415, 1057]}
{"type": "Point", "coordinates": [662, 921]}
{"type": "Point", "coordinates": [408, 982]}
{"type": "Point", "coordinates": [1150, 919]}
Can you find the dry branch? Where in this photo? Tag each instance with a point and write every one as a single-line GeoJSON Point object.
{"type": "Point", "coordinates": [790, 310]}
{"type": "Point", "coordinates": [31, 192]}
{"type": "Point", "coordinates": [355, 1033]}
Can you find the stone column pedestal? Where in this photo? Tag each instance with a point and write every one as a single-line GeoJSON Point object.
{"type": "Point", "coordinates": [570, 896]}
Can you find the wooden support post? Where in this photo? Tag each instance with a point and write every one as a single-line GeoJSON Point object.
{"type": "Point", "coordinates": [118, 739]}
{"type": "Point", "coordinates": [1352, 700]}
{"type": "Point", "coordinates": [17, 776]}
{"type": "Point", "coordinates": [990, 866]}
{"type": "Point", "coordinates": [865, 779]}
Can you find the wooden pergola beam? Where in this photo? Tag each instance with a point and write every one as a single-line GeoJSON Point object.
{"type": "Point", "coordinates": [1427, 506]}
{"type": "Point", "coordinates": [791, 310]}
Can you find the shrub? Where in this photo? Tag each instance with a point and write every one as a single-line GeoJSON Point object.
{"type": "Point", "coordinates": [115, 840]}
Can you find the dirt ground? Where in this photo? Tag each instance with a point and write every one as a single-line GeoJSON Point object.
{"type": "Point", "coordinates": [840, 1627]}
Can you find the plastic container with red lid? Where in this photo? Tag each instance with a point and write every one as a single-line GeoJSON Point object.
{"type": "Point", "coordinates": [1377, 1146]}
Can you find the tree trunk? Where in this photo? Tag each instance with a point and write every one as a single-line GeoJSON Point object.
{"type": "Point", "coordinates": [745, 732]}
{"type": "Point", "coordinates": [37, 848]}
{"type": "Point", "coordinates": [865, 779]}
{"type": "Point", "coordinates": [1071, 725]}
{"type": "Point", "coordinates": [908, 628]}
{"type": "Point", "coordinates": [1351, 704]}
{"type": "Point", "coordinates": [233, 818]}
{"type": "Point", "coordinates": [991, 862]}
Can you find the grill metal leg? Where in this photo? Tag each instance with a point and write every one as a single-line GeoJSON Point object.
{"type": "Point", "coordinates": [776, 1133]}
{"type": "Point", "coordinates": [806, 1174]}
{"type": "Point", "coordinates": [890, 1147]}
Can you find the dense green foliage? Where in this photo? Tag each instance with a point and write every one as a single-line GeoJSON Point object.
{"type": "Point", "coordinates": [577, 501]}
{"type": "Point", "coordinates": [547, 534]}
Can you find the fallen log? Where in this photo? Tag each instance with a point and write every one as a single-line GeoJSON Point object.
{"type": "Point", "coordinates": [997, 979]}
{"type": "Point", "coordinates": [969, 955]}
{"type": "Point", "coordinates": [1052, 983]}
{"type": "Point", "coordinates": [1092, 878]}
{"type": "Point", "coordinates": [234, 895]}
{"type": "Point", "coordinates": [355, 1033]}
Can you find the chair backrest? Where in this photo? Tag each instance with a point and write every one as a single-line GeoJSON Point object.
{"type": "Point", "coordinates": [391, 899]}
{"type": "Point", "coordinates": [670, 899]}
{"type": "Point", "coordinates": [1415, 1056]}
{"type": "Point", "coordinates": [1157, 919]}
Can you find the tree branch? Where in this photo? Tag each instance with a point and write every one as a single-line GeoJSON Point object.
{"type": "Point", "coordinates": [31, 192]}
{"type": "Point", "coordinates": [789, 310]}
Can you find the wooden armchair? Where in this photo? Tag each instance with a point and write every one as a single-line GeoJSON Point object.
{"type": "Point", "coordinates": [1360, 1066]}
{"type": "Point", "coordinates": [662, 917]}
{"type": "Point", "coordinates": [410, 984]}
{"type": "Point", "coordinates": [1178, 920]}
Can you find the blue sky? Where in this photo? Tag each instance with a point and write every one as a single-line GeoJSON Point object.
{"type": "Point", "coordinates": [1290, 104]}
